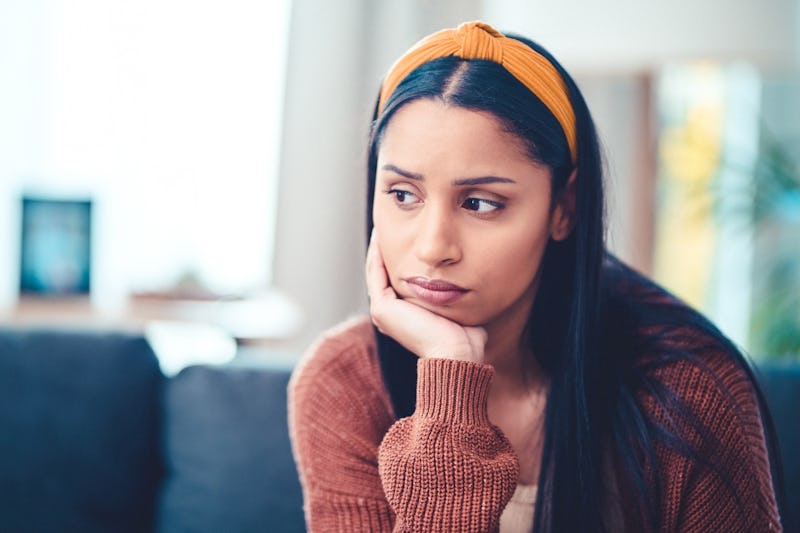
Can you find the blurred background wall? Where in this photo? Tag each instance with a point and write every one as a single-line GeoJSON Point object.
{"type": "Point", "coordinates": [223, 144]}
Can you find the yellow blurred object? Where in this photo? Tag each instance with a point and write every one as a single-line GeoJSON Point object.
{"type": "Point", "coordinates": [689, 155]}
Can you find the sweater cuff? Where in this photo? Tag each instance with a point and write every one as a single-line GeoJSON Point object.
{"type": "Point", "coordinates": [453, 391]}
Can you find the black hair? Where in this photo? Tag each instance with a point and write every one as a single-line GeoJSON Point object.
{"type": "Point", "coordinates": [580, 328]}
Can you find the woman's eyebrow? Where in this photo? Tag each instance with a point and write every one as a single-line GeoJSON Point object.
{"type": "Point", "coordinates": [404, 173]}
{"type": "Point", "coordinates": [483, 180]}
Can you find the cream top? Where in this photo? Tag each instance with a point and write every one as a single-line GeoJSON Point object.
{"type": "Point", "coordinates": [517, 517]}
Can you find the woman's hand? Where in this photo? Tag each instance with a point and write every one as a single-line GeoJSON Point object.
{"type": "Point", "coordinates": [423, 332]}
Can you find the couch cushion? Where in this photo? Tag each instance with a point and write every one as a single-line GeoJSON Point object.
{"type": "Point", "coordinates": [227, 451]}
{"type": "Point", "coordinates": [78, 431]}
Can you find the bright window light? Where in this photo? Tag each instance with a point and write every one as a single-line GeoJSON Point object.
{"type": "Point", "coordinates": [167, 114]}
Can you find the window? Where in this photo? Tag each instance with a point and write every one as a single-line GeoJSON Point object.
{"type": "Point", "coordinates": [167, 114]}
{"type": "Point", "coordinates": [729, 199]}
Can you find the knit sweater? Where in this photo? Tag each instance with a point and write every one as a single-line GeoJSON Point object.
{"type": "Point", "coordinates": [446, 468]}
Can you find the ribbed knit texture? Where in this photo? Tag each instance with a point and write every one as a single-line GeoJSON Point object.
{"type": "Point", "coordinates": [447, 468]}
{"type": "Point", "coordinates": [694, 499]}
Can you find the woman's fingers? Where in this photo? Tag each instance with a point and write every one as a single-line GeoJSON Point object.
{"type": "Point", "coordinates": [377, 278]}
{"type": "Point", "coordinates": [380, 291]}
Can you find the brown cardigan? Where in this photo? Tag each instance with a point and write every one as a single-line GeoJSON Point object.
{"type": "Point", "coordinates": [447, 468]}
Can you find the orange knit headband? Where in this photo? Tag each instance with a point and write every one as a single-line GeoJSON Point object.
{"type": "Point", "coordinates": [477, 40]}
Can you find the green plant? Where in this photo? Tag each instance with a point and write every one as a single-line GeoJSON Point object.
{"type": "Point", "coordinates": [769, 206]}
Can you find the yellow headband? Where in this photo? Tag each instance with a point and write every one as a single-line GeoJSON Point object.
{"type": "Point", "coordinates": [477, 40]}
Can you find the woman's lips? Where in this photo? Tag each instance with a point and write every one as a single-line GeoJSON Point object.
{"type": "Point", "coordinates": [435, 291]}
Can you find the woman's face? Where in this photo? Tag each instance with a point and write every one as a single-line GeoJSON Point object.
{"type": "Point", "coordinates": [462, 214]}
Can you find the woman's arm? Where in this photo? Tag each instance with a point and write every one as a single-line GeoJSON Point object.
{"type": "Point", "coordinates": [735, 492]}
{"type": "Point", "coordinates": [445, 468]}
{"type": "Point", "coordinates": [337, 418]}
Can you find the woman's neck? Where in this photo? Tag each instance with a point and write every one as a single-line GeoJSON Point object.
{"type": "Point", "coordinates": [507, 350]}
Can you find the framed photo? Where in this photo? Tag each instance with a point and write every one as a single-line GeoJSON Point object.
{"type": "Point", "coordinates": [56, 247]}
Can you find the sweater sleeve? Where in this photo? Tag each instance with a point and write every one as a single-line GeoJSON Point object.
{"type": "Point", "coordinates": [337, 418]}
{"type": "Point", "coordinates": [735, 493]}
{"type": "Point", "coordinates": [447, 468]}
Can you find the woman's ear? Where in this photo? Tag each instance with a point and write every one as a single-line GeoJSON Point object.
{"type": "Point", "coordinates": [562, 220]}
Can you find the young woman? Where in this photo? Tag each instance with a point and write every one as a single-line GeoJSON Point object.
{"type": "Point", "coordinates": [513, 375]}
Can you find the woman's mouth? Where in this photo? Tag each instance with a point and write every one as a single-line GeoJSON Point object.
{"type": "Point", "coordinates": [435, 291]}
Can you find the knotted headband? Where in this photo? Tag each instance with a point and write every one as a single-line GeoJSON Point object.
{"type": "Point", "coordinates": [477, 40]}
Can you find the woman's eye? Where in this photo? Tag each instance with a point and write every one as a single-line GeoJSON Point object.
{"type": "Point", "coordinates": [480, 205]}
{"type": "Point", "coordinates": [402, 197]}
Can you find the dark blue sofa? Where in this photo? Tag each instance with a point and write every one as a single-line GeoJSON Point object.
{"type": "Point", "coordinates": [781, 385]}
{"type": "Point", "coordinates": [93, 438]}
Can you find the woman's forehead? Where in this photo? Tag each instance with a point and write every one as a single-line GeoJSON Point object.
{"type": "Point", "coordinates": [427, 126]}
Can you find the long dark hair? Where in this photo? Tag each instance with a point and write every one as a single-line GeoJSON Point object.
{"type": "Point", "coordinates": [578, 317]}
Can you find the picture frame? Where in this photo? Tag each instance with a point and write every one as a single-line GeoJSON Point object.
{"type": "Point", "coordinates": [56, 247]}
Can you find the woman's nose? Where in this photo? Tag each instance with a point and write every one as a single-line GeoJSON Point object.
{"type": "Point", "coordinates": [437, 237]}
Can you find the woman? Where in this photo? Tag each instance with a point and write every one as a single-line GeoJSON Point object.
{"type": "Point", "coordinates": [515, 376]}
